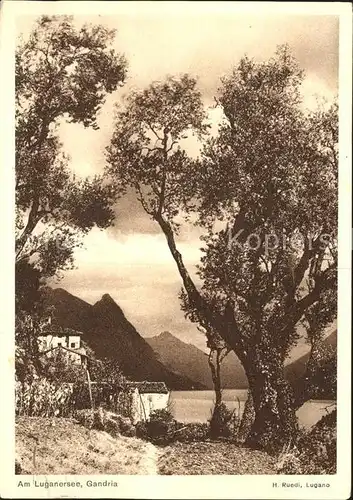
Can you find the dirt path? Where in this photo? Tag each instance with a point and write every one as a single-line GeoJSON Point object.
{"type": "Point", "coordinates": [148, 463]}
{"type": "Point", "coordinates": [213, 458]}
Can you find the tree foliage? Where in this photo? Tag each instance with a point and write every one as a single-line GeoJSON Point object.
{"type": "Point", "coordinates": [28, 306]}
{"type": "Point", "coordinates": [107, 371]}
{"type": "Point", "coordinates": [146, 153]}
{"type": "Point", "coordinates": [62, 73]}
{"type": "Point", "coordinates": [273, 181]}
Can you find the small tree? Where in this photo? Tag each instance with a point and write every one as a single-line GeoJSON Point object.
{"type": "Point", "coordinates": [62, 73]}
{"type": "Point", "coordinates": [218, 348]}
{"type": "Point", "coordinates": [28, 320]}
{"type": "Point", "coordinates": [107, 370]}
{"type": "Point", "coordinates": [59, 368]}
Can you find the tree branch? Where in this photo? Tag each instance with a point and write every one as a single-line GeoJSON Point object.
{"type": "Point", "coordinates": [164, 173]}
{"type": "Point", "coordinates": [141, 199]}
{"type": "Point", "coordinates": [225, 324]}
{"type": "Point", "coordinates": [32, 221]}
{"type": "Point", "coordinates": [293, 314]}
{"type": "Point", "coordinates": [153, 131]}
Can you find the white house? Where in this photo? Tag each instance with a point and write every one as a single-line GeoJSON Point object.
{"type": "Point", "coordinates": [149, 396]}
{"type": "Point", "coordinates": [51, 339]}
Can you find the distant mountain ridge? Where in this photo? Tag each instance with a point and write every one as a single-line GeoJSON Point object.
{"type": "Point", "coordinates": [297, 368]}
{"type": "Point", "coordinates": [109, 333]}
{"type": "Point", "coordinates": [164, 357]}
{"type": "Point", "coordinates": [191, 361]}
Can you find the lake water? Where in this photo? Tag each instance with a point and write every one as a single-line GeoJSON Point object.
{"type": "Point", "coordinates": [196, 406]}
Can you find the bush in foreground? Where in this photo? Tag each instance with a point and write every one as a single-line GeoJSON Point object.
{"type": "Point", "coordinates": [102, 420]}
{"type": "Point", "coordinates": [163, 429]}
{"type": "Point", "coordinates": [159, 429]}
{"type": "Point", "coordinates": [224, 422]}
{"type": "Point", "coordinates": [315, 452]}
{"type": "Point", "coordinates": [193, 432]}
{"type": "Point", "coordinates": [319, 446]}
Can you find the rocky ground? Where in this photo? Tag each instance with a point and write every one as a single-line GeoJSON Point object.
{"type": "Point", "coordinates": [213, 458]}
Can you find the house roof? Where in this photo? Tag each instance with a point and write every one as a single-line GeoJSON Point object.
{"type": "Point", "coordinates": [149, 387]}
{"type": "Point", "coordinates": [59, 332]}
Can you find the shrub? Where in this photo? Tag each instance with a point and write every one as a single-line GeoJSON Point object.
{"type": "Point", "coordinates": [112, 427]}
{"type": "Point", "coordinates": [105, 421]}
{"type": "Point", "coordinates": [142, 430]}
{"type": "Point", "coordinates": [85, 418]}
{"type": "Point", "coordinates": [315, 452]}
{"type": "Point", "coordinates": [191, 432]}
{"type": "Point", "coordinates": [161, 426]}
{"type": "Point", "coordinates": [124, 425]}
{"type": "Point", "coordinates": [42, 398]}
{"type": "Point", "coordinates": [318, 447]}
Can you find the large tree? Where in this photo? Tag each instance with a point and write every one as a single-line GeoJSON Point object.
{"type": "Point", "coordinates": [62, 73]}
{"type": "Point", "coordinates": [271, 172]}
{"type": "Point", "coordinates": [271, 175]}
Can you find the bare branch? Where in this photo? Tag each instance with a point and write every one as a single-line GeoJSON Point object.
{"type": "Point", "coordinates": [154, 132]}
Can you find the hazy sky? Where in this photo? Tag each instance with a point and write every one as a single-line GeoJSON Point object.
{"type": "Point", "coordinates": [131, 261]}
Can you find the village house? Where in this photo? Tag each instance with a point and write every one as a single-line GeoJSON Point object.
{"type": "Point", "coordinates": [145, 397]}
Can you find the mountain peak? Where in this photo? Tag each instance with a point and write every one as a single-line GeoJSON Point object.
{"type": "Point", "coordinates": [107, 298]}
{"type": "Point", "coordinates": [107, 303]}
{"type": "Point", "coordinates": [107, 331]}
{"type": "Point", "coordinates": [166, 335]}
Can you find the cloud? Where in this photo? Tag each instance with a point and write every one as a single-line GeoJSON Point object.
{"type": "Point", "coordinates": [137, 270]}
{"type": "Point", "coordinates": [101, 249]}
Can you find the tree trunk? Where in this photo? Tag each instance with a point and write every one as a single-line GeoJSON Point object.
{"type": "Point", "coordinates": [247, 419]}
{"type": "Point", "coordinates": [214, 364]}
{"type": "Point", "coordinates": [275, 421]}
{"type": "Point", "coordinates": [32, 222]}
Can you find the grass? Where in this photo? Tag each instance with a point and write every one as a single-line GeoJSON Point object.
{"type": "Point", "coordinates": [213, 458]}
{"type": "Point", "coordinates": [62, 446]}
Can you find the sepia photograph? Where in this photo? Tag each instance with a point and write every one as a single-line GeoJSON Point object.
{"type": "Point", "coordinates": [177, 233]}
